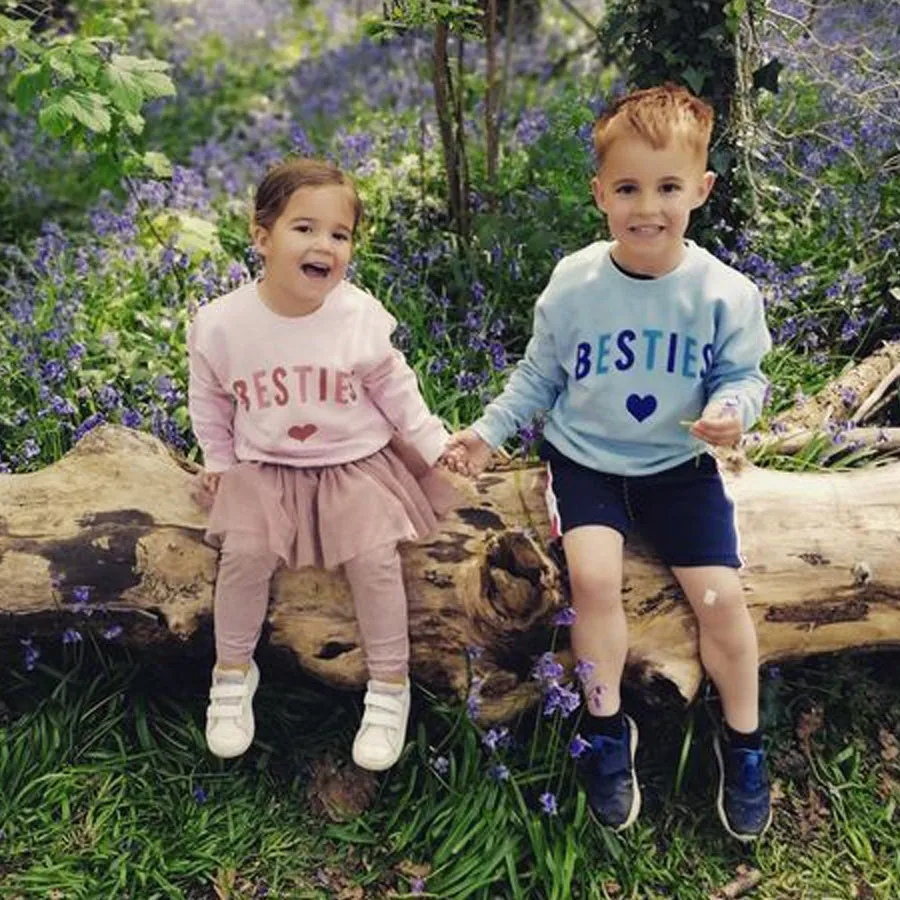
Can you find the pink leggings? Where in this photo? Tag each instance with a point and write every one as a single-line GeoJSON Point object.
{"type": "Point", "coordinates": [376, 582]}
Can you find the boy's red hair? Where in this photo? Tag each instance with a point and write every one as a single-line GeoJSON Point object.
{"type": "Point", "coordinates": [657, 115]}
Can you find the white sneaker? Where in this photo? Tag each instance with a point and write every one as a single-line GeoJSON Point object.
{"type": "Point", "coordinates": [382, 733]}
{"type": "Point", "coordinates": [229, 716]}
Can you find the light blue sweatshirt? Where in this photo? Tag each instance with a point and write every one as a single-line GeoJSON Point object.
{"type": "Point", "coordinates": [619, 363]}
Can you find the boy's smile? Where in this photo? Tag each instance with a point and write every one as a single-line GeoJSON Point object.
{"type": "Point", "coordinates": [648, 196]}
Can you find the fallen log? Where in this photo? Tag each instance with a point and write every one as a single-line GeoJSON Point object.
{"type": "Point", "coordinates": [109, 534]}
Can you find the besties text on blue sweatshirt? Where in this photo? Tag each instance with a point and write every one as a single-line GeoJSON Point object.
{"type": "Point", "coordinates": [619, 363]}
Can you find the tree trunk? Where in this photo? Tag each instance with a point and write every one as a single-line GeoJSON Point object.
{"type": "Point", "coordinates": [115, 516]}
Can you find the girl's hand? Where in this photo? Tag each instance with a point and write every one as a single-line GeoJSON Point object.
{"type": "Point", "coordinates": [467, 453]}
{"type": "Point", "coordinates": [720, 424]}
{"type": "Point", "coordinates": [209, 481]}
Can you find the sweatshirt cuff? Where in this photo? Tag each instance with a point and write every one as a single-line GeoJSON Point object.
{"type": "Point", "coordinates": [218, 465]}
{"type": "Point", "coordinates": [491, 432]}
{"type": "Point", "coordinates": [433, 444]}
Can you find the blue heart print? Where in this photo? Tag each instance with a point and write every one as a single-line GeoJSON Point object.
{"type": "Point", "coordinates": [641, 407]}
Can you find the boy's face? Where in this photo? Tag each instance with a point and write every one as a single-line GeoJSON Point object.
{"type": "Point", "coordinates": [648, 196]}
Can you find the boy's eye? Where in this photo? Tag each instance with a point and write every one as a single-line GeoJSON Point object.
{"type": "Point", "coordinates": [625, 189]}
{"type": "Point", "coordinates": [670, 188]}
{"type": "Point", "coordinates": [341, 236]}
{"type": "Point", "coordinates": [302, 228]}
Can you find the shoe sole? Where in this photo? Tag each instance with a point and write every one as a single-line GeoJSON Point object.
{"type": "Point", "coordinates": [720, 801]}
{"type": "Point", "coordinates": [636, 791]}
{"type": "Point", "coordinates": [254, 682]}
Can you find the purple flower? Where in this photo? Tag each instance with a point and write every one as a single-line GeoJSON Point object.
{"type": "Point", "coordinates": [578, 746]}
{"type": "Point", "coordinates": [72, 636]}
{"type": "Point", "coordinates": [31, 653]}
{"type": "Point", "coordinates": [473, 706]}
{"type": "Point", "coordinates": [498, 772]}
{"type": "Point", "coordinates": [81, 593]}
{"type": "Point", "coordinates": [111, 633]}
{"type": "Point", "coordinates": [548, 803]}
{"type": "Point", "coordinates": [474, 653]}
{"type": "Point", "coordinates": [441, 765]}
{"type": "Point", "coordinates": [31, 449]}
{"type": "Point", "coordinates": [562, 699]}
{"type": "Point", "coordinates": [547, 669]}
{"type": "Point", "coordinates": [417, 886]}
{"type": "Point", "coordinates": [583, 670]}
{"type": "Point", "coordinates": [564, 617]}
{"type": "Point", "coordinates": [131, 418]}
{"type": "Point", "coordinates": [496, 737]}
{"type": "Point", "coordinates": [199, 795]}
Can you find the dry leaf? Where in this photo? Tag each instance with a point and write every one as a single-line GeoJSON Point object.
{"type": "Point", "coordinates": [890, 747]}
{"type": "Point", "coordinates": [747, 879]}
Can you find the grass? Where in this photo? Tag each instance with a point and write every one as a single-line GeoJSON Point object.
{"type": "Point", "coordinates": [108, 792]}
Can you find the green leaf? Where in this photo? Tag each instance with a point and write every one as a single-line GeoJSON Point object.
{"type": "Point", "coordinates": [157, 163]}
{"type": "Point", "coordinates": [54, 120]}
{"type": "Point", "coordinates": [155, 84]}
{"type": "Point", "coordinates": [134, 122]}
{"type": "Point", "coordinates": [135, 64]}
{"type": "Point", "coordinates": [28, 84]}
{"type": "Point", "coordinates": [123, 87]}
{"type": "Point", "coordinates": [694, 79]}
{"type": "Point", "coordinates": [60, 64]}
{"type": "Point", "coordinates": [89, 108]}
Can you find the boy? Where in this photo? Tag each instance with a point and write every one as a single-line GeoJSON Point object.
{"type": "Point", "coordinates": [631, 338]}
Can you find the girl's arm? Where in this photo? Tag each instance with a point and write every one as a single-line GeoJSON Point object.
{"type": "Point", "coordinates": [394, 389]}
{"type": "Point", "coordinates": [211, 408]}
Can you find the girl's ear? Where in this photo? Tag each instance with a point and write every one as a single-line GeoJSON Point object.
{"type": "Point", "coordinates": [599, 193]}
{"type": "Point", "coordinates": [260, 237]}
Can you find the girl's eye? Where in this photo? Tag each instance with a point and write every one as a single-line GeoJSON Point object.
{"type": "Point", "coordinates": [342, 237]}
{"type": "Point", "coordinates": [303, 229]}
{"type": "Point", "coordinates": [625, 189]}
{"type": "Point", "coordinates": [670, 188]}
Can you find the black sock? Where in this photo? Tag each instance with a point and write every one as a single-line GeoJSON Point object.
{"type": "Point", "coordinates": [610, 726]}
{"type": "Point", "coordinates": [747, 740]}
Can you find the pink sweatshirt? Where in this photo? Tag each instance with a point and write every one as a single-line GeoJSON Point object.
{"type": "Point", "coordinates": [321, 389]}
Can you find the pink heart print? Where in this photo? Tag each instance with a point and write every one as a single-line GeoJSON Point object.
{"type": "Point", "coordinates": [302, 432]}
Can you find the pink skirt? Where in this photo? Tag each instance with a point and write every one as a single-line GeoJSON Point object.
{"type": "Point", "coordinates": [324, 515]}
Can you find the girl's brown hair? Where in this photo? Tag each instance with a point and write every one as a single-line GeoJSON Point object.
{"type": "Point", "coordinates": [280, 182]}
{"type": "Point", "coordinates": [657, 115]}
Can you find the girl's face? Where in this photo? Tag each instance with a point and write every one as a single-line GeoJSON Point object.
{"type": "Point", "coordinates": [308, 249]}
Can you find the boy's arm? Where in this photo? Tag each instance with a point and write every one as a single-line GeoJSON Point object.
{"type": "Point", "coordinates": [211, 408]}
{"type": "Point", "coordinates": [742, 341]}
{"type": "Point", "coordinates": [394, 389]}
{"type": "Point", "coordinates": [533, 387]}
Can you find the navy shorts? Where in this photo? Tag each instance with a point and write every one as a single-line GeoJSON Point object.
{"type": "Point", "coordinates": [683, 512]}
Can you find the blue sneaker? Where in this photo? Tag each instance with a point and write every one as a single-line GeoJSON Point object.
{"type": "Point", "coordinates": [744, 804]}
{"type": "Point", "coordinates": [612, 788]}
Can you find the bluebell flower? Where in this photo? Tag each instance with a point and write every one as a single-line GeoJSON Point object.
{"type": "Point", "coordinates": [548, 803]}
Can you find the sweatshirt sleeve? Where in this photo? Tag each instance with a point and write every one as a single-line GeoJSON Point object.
{"type": "Point", "coordinates": [533, 387]}
{"type": "Point", "coordinates": [211, 409]}
{"type": "Point", "coordinates": [742, 340]}
{"type": "Point", "coordinates": [394, 389]}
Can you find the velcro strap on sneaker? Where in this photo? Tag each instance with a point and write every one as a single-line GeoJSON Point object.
{"type": "Point", "coordinates": [383, 709]}
{"type": "Point", "coordinates": [228, 692]}
{"type": "Point", "coordinates": [225, 711]}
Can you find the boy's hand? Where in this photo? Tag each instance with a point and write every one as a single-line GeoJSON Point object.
{"type": "Point", "coordinates": [467, 453]}
{"type": "Point", "coordinates": [720, 424]}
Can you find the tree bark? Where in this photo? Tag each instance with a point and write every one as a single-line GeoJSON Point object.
{"type": "Point", "coordinates": [115, 515]}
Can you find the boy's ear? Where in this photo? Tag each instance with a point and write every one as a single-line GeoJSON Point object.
{"type": "Point", "coordinates": [704, 189]}
{"type": "Point", "coordinates": [597, 190]}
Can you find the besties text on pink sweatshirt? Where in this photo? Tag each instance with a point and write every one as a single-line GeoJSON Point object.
{"type": "Point", "coordinates": [321, 389]}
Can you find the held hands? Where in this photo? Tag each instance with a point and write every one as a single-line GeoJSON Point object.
{"type": "Point", "coordinates": [720, 424]}
{"type": "Point", "coordinates": [466, 453]}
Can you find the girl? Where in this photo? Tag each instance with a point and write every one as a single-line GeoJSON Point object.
{"type": "Point", "coordinates": [297, 399]}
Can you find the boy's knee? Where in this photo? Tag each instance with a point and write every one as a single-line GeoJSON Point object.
{"type": "Point", "coordinates": [596, 588]}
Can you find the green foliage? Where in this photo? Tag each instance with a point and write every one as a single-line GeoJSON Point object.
{"type": "Point", "coordinates": [88, 96]}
